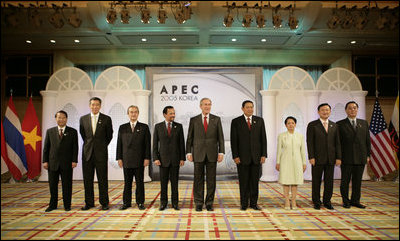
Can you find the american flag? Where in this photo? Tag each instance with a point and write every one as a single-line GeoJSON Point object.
{"type": "Point", "coordinates": [382, 157]}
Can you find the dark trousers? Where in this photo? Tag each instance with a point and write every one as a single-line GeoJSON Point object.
{"type": "Point", "coordinates": [353, 173]}
{"type": "Point", "coordinates": [88, 168]}
{"type": "Point", "coordinates": [66, 182]}
{"type": "Point", "coordinates": [170, 173]}
{"type": "Point", "coordinates": [248, 183]}
{"type": "Point", "coordinates": [129, 173]}
{"type": "Point", "coordinates": [317, 172]}
{"type": "Point", "coordinates": [198, 184]}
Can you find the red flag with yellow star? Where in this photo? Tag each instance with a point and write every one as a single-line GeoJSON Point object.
{"type": "Point", "coordinates": [32, 141]}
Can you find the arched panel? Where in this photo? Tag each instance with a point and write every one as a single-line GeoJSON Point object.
{"type": "Point", "coordinates": [118, 78]}
{"type": "Point", "coordinates": [339, 79]}
{"type": "Point", "coordinates": [291, 78]}
{"type": "Point", "coordinates": [69, 79]}
{"type": "Point", "coordinates": [118, 115]}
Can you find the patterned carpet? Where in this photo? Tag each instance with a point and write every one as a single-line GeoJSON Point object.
{"type": "Point", "coordinates": [23, 216]}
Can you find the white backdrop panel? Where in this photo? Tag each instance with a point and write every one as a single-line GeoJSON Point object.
{"type": "Point", "coordinates": [184, 91]}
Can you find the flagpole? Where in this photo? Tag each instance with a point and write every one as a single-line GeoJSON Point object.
{"type": "Point", "coordinates": [378, 179]}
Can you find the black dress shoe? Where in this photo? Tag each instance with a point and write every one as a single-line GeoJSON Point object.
{"type": "Point", "coordinates": [346, 205]}
{"type": "Point", "coordinates": [105, 207]}
{"type": "Point", "coordinates": [141, 206]}
{"type": "Point", "coordinates": [358, 205]}
{"type": "Point", "coordinates": [328, 206]}
{"type": "Point", "coordinates": [49, 209]}
{"type": "Point", "coordinates": [86, 207]}
{"type": "Point", "coordinates": [176, 207]}
{"type": "Point", "coordinates": [209, 208]}
{"type": "Point", "coordinates": [256, 207]}
{"type": "Point", "coordinates": [199, 208]}
{"type": "Point", "coordinates": [317, 206]}
{"type": "Point", "coordinates": [123, 207]}
{"type": "Point", "coordinates": [163, 207]}
{"type": "Point", "coordinates": [67, 209]}
{"type": "Point", "coordinates": [243, 208]}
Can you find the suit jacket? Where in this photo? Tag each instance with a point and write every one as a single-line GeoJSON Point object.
{"type": "Point", "coordinates": [97, 142]}
{"type": "Point", "coordinates": [168, 149]}
{"type": "Point", "coordinates": [324, 147]}
{"type": "Point", "coordinates": [60, 153]}
{"type": "Point", "coordinates": [356, 144]}
{"type": "Point", "coordinates": [133, 147]}
{"type": "Point", "coordinates": [248, 144]}
{"type": "Point", "coordinates": [202, 144]}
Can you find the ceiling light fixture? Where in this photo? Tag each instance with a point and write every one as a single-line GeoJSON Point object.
{"type": "Point", "coordinates": [34, 17]}
{"type": "Point", "coordinates": [347, 21]}
{"type": "Point", "coordinates": [334, 21]}
{"type": "Point", "coordinates": [180, 17]}
{"type": "Point", "coordinates": [329, 41]}
{"type": "Point", "coordinates": [74, 19]}
{"type": "Point", "coordinates": [276, 18]}
{"type": "Point", "coordinates": [162, 15]}
{"type": "Point", "coordinates": [145, 15]}
{"type": "Point", "coordinates": [293, 22]}
{"type": "Point", "coordinates": [125, 15]}
{"type": "Point", "coordinates": [28, 41]}
{"type": "Point", "coordinates": [263, 40]}
{"type": "Point", "coordinates": [361, 19]}
{"type": "Point", "coordinates": [247, 19]}
{"type": "Point", "coordinates": [57, 19]}
{"type": "Point", "coordinates": [353, 42]}
{"type": "Point", "coordinates": [52, 41]}
{"type": "Point", "coordinates": [260, 20]}
{"type": "Point", "coordinates": [228, 19]}
{"type": "Point", "coordinates": [111, 15]}
{"type": "Point", "coordinates": [77, 41]}
{"type": "Point", "coordinates": [12, 19]}
{"type": "Point", "coordinates": [233, 40]}
{"type": "Point", "coordinates": [173, 39]}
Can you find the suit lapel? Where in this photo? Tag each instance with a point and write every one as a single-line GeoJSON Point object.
{"type": "Point", "coordinates": [320, 126]}
{"type": "Point", "coordinates": [89, 123]}
{"type": "Point", "coordinates": [173, 129]}
{"type": "Point", "coordinates": [350, 126]}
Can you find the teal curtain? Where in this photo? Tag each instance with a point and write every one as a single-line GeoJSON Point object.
{"type": "Point", "coordinates": [315, 71]}
{"type": "Point", "coordinates": [95, 70]}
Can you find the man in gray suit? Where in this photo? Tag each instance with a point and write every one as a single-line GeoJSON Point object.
{"type": "Point", "coordinates": [324, 152]}
{"type": "Point", "coordinates": [205, 146]}
{"type": "Point", "coordinates": [60, 156]}
{"type": "Point", "coordinates": [96, 131]}
{"type": "Point", "coordinates": [356, 149]}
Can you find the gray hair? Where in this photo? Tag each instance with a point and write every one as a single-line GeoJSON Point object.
{"type": "Point", "coordinates": [132, 106]}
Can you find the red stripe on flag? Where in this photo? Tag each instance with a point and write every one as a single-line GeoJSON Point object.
{"type": "Point", "coordinates": [387, 150]}
{"type": "Point", "coordinates": [377, 157]}
{"type": "Point", "coordinates": [377, 171]}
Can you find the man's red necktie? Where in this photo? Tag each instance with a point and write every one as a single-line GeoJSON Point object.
{"type": "Point", "coordinates": [248, 123]}
{"type": "Point", "coordinates": [205, 124]}
{"type": "Point", "coordinates": [169, 128]}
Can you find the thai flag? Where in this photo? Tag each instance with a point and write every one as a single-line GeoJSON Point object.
{"type": "Point", "coordinates": [14, 142]}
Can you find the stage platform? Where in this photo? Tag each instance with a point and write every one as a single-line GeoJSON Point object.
{"type": "Point", "coordinates": [23, 215]}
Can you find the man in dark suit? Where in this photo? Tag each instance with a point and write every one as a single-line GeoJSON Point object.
{"type": "Point", "coordinates": [133, 154]}
{"type": "Point", "coordinates": [205, 146]}
{"type": "Point", "coordinates": [96, 131]}
{"type": "Point", "coordinates": [60, 156]}
{"type": "Point", "coordinates": [169, 155]}
{"type": "Point", "coordinates": [249, 150]}
{"type": "Point", "coordinates": [324, 152]}
{"type": "Point", "coordinates": [356, 149]}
